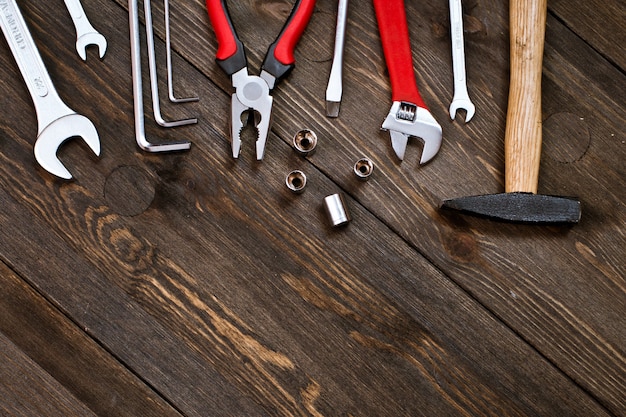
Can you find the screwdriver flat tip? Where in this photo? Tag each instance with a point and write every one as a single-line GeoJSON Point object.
{"type": "Point", "coordinates": [332, 108]}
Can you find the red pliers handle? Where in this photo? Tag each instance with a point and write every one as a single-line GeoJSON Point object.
{"type": "Point", "coordinates": [279, 60]}
{"type": "Point", "coordinates": [394, 35]}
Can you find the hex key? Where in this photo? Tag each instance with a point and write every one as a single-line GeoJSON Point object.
{"type": "Point", "coordinates": [135, 56]}
{"type": "Point", "coordinates": [168, 52]}
{"type": "Point", "coordinates": [154, 84]}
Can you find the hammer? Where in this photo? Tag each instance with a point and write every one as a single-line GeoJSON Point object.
{"type": "Point", "coordinates": [522, 143]}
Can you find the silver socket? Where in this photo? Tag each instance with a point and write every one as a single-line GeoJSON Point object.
{"type": "Point", "coordinates": [305, 141]}
{"type": "Point", "coordinates": [296, 181]}
{"type": "Point", "coordinates": [363, 169]}
{"type": "Point", "coordinates": [337, 210]}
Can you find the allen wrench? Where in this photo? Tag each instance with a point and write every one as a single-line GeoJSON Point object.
{"type": "Point", "coordinates": [135, 55]}
{"type": "Point", "coordinates": [154, 83]}
{"type": "Point", "coordinates": [168, 52]}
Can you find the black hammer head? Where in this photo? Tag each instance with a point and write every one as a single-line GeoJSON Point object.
{"type": "Point", "coordinates": [519, 207]}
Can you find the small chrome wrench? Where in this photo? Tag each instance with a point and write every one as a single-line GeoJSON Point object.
{"type": "Point", "coordinates": [56, 122]}
{"type": "Point", "coordinates": [85, 33]}
{"type": "Point", "coordinates": [461, 98]}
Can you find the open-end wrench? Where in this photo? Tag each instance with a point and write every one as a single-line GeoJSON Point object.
{"type": "Point", "coordinates": [461, 99]}
{"type": "Point", "coordinates": [409, 115]}
{"type": "Point", "coordinates": [85, 33]}
{"type": "Point", "coordinates": [56, 121]}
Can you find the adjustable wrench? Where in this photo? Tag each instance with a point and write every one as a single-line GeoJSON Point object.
{"type": "Point", "coordinates": [85, 33]}
{"type": "Point", "coordinates": [461, 98]}
{"type": "Point", "coordinates": [409, 115]}
{"type": "Point", "coordinates": [56, 122]}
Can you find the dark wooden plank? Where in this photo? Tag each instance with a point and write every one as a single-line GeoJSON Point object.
{"type": "Point", "coordinates": [599, 23]}
{"type": "Point", "coordinates": [474, 161]}
{"type": "Point", "coordinates": [68, 355]}
{"type": "Point", "coordinates": [27, 390]}
{"type": "Point", "coordinates": [230, 296]}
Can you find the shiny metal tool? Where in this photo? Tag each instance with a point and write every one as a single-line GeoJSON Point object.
{"type": "Point", "coordinates": [363, 169]}
{"type": "Point", "coordinates": [334, 90]}
{"type": "Point", "coordinates": [154, 81]}
{"type": "Point", "coordinates": [305, 142]}
{"type": "Point", "coordinates": [252, 92]}
{"type": "Point", "coordinates": [296, 181]}
{"type": "Point", "coordinates": [337, 210]}
{"type": "Point", "coordinates": [135, 58]}
{"type": "Point", "coordinates": [461, 98]}
{"type": "Point", "coordinates": [56, 121]}
{"type": "Point", "coordinates": [168, 57]}
{"type": "Point", "coordinates": [409, 116]}
{"type": "Point", "coordinates": [85, 33]}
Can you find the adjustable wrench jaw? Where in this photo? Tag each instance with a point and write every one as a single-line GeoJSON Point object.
{"type": "Point", "coordinates": [405, 120]}
{"type": "Point", "coordinates": [252, 94]}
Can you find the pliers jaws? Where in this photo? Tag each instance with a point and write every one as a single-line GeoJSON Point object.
{"type": "Point", "coordinates": [251, 99]}
{"type": "Point", "coordinates": [252, 94]}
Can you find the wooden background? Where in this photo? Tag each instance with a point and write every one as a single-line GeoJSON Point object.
{"type": "Point", "coordinates": [192, 284]}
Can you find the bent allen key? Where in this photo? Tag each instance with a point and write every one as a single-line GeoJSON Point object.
{"type": "Point", "coordinates": [409, 115]}
{"type": "Point", "coordinates": [252, 93]}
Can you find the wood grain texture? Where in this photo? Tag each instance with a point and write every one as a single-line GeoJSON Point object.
{"type": "Point", "coordinates": [599, 23]}
{"type": "Point", "coordinates": [227, 295]}
{"type": "Point", "coordinates": [68, 355]}
{"type": "Point", "coordinates": [523, 129]}
{"type": "Point", "coordinates": [26, 390]}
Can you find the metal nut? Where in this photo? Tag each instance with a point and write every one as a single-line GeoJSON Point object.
{"type": "Point", "coordinates": [305, 142]}
{"type": "Point", "coordinates": [363, 168]}
{"type": "Point", "coordinates": [336, 209]}
{"type": "Point", "coordinates": [296, 181]}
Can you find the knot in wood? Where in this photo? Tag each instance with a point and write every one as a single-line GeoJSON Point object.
{"type": "Point", "coordinates": [129, 190]}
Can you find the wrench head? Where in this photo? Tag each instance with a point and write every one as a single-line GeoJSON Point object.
{"type": "Point", "coordinates": [405, 120]}
{"type": "Point", "coordinates": [464, 104]}
{"type": "Point", "coordinates": [57, 132]}
{"type": "Point", "coordinates": [91, 38]}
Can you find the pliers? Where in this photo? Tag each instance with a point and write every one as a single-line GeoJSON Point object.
{"type": "Point", "coordinates": [252, 93]}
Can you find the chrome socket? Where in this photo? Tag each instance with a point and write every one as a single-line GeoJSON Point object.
{"type": "Point", "coordinates": [337, 210]}
{"type": "Point", "coordinates": [304, 142]}
{"type": "Point", "coordinates": [363, 169]}
{"type": "Point", "coordinates": [296, 181]}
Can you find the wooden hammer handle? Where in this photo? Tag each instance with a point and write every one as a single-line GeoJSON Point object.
{"type": "Point", "coordinates": [522, 142]}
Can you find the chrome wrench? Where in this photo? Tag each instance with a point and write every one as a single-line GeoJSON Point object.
{"type": "Point", "coordinates": [56, 121]}
{"type": "Point", "coordinates": [461, 99]}
{"type": "Point", "coordinates": [85, 33]}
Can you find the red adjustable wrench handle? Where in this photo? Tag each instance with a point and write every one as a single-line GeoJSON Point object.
{"type": "Point", "coordinates": [394, 35]}
{"type": "Point", "coordinates": [279, 59]}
